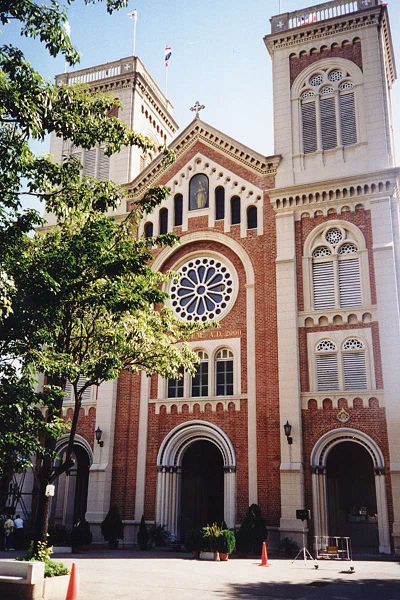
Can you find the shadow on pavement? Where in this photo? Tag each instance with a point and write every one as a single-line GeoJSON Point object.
{"type": "Point", "coordinates": [361, 589]}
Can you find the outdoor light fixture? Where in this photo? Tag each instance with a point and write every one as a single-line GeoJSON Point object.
{"type": "Point", "coordinates": [99, 433]}
{"type": "Point", "coordinates": [288, 430]}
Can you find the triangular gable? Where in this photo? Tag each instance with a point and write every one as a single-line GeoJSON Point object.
{"type": "Point", "coordinates": [199, 137]}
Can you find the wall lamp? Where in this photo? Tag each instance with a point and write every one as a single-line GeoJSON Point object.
{"type": "Point", "coordinates": [98, 434]}
{"type": "Point", "coordinates": [288, 430]}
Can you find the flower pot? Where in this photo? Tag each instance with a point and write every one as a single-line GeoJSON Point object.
{"type": "Point", "coordinates": [205, 555]}
{"type": "Point", "coordinates": [223, 556]}
{"type": "Point", "coordinates": [55, 588]}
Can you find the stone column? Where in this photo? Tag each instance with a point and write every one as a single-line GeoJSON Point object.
{"type": "Point", "coordinates": [100, 474]}
{"type": "Point", "coordinates": [292, 484]}
{"type": "Point", "coordinates": [230, 496]}
{"type": "Point", "coordinates": [385, 250]}
{"type": "Point", "coordinates": [383, 518]}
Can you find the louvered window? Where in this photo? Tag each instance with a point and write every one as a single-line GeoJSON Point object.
{"type": "Point", "coordinates": [336, 274]}
{"type": "Point", "coordinates": [309, 124]}
{"type": "Point", "coordinates": [69, 395]}
{"type": "Point", "coordinates": [328, 123]}
{"type": "Point", "coordinates": [348, 126]}
{"type": "Point", "coordinates": [327, 372]}
{"type": "Point", "coordinates": [323, 285]}
{"type": "Point", "coordinates": [349, 282]}
{"type": "Point", "coordinates": [354, 371]}
{"type": "Point", "coordinates": [103, 165]}
{"type": "Point", "coordinates": [328, 110]}
{"type": "Point", "coordinates": [89, 162]}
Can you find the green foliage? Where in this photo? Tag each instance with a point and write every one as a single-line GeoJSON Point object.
{"type": "Point", "coordinates": [211, 535]}
{"type": "Point", "coordinates": [81, 534]}
{"type": "Point", "coordinates": [41, 552]}
{"type": "Point", "coordinates": [143, 534]}
{"type": "Point", "coordinates": [252, 532]}
{"type": "Point", "coordinates": [112, 528]}
{"type": "Point", "coordinates": [194, 540]}
{"type": "Point", "coordinates": [288, 547]}
{"type": "Point", "coordinates": [78, 299]}
{"type": "Point", "coordinates": [226, 541]}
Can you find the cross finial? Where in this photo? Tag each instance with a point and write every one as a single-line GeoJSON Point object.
{"type": "Point", "coordinates": [197, 108]}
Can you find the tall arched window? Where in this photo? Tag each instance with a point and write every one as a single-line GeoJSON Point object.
{"type": "Point", "coordinates": [341, 369]}
{"type": "Point", "coordinates": [178, 209]}
{"type": "Point", "coordinates": [148, 230]}
{"type": "Point", "coordinates": [252, 217]}
{"type": "Point", "coordinates": [328, 110]}
{"type": "Point", "coordinates": [200, 379]}
{"type": "Point", "coordinates": [219, 203]}
{"type": "Point", "coordinates": [175, 386]}
{"type": "Point", "coordinates": [235, 210]}
{"type": "Point", "coordinates": [336, 277]}
{"type": "Point", "coordinates": [163, 216]}
{"type": "Point", "coordinates": [224, 373]}
{"type": "Point", "coordinates": [198, 192]}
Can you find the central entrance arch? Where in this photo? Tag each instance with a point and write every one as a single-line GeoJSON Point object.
{"type": "Point", "coordinates": [180, 451]}
{"type": "Point", "coordinates": [202, 490]}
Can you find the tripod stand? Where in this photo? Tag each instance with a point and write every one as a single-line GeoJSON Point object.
{"type": "Point", "coordinates": [303, 551]}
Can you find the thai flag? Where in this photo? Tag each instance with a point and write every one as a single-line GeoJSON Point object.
{"type": "Point", "coordinates": [306, 19]}
{"type": "Point", "coordinates": [167, 55]}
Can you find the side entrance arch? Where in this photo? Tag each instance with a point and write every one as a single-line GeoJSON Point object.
{"type": "Point", "coordinates": [349, 493]}
{"type": "Point", "coordinates": [70, 499]}
{"type": "Point", "coordinates": [196, 480]}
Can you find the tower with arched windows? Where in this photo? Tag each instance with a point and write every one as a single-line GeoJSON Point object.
{"type": "Point", "coordinates": [297, 256]}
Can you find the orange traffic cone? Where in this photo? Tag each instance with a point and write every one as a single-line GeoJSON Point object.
{"type": "Point", "coordinates": [72, 591]}
{"type": "Point", "coordinates": [264, 556]}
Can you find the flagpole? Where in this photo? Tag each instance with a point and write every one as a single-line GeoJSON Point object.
{"type": "Point", "coordinates": [166, 80]}
{"type": "Point", "coordinates": [133, 16]}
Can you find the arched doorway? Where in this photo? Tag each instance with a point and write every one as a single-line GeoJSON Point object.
{"type": "Point", "coordinates": [202, 488]}
{"type": "Point", "coordinates": [71, 489]}
{"type": "Point", "coordinates": [205, 453]}
{"type": "Point", "coordinates": [352, 507]}
{"type": "Point", "coordinates": [348, 476]}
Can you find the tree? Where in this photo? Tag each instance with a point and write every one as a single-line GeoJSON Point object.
{"type": "Point", "coordinates": [79, 299]}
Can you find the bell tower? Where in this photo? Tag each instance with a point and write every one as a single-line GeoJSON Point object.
{"type": "Point", "coordinates": [333, 68]}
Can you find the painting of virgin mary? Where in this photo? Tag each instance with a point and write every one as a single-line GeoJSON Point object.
{"type": "Point", "coordinates": [198, 192]}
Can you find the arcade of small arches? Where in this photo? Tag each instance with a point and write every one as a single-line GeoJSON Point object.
{"type": "Point", "coordinates": [198, 199]}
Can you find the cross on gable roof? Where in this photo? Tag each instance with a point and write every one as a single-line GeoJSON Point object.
{"type": "Point", "coordinates": [199, 131]}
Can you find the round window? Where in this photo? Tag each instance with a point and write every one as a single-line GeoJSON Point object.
{"type": "Point", "coordinates": [203, 289]}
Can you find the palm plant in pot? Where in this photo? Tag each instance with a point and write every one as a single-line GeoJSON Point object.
{"type": "Point", "coordinates": [194, 542]}
{"type": "Point", "coordinates": [211, 533]}
{"type": "Point", "coordinates": [226, 544]}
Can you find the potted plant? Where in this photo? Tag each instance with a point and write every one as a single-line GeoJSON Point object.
{"type": "Point", "coordinates": [226, 544]}
{"type": "Point", "coordinates": [194, 542]}
{"type": "Point", "coordinates": [211, 533]}
{"type": "Point", "coordinates": [143, 535]}
{"type": "Point", "coordinates": [112, 528]}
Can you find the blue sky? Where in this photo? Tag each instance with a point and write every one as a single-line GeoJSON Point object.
{"type": "Point", "coordinates": [219, 56]}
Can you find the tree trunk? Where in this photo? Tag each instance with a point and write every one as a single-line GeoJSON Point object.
{"type": "Point", "coordinates": [43, 501]}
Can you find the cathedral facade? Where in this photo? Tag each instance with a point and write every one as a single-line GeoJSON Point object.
{"type": "Point", "coordinates": [296, 400]}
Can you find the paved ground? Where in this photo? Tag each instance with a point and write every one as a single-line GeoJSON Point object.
{"type": "Point", "coordinates": [134, 575]}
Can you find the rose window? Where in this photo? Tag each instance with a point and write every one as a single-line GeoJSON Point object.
{"type": "Point", "coordinates": [203, 290]}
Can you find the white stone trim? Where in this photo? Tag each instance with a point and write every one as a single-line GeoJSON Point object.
{"type": "Point", "coordinates": [142, 445]}
{"type": "Point", "coordinates": [62, 443]}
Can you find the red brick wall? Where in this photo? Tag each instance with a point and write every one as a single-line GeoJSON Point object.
{"type": "Point", "coordinates": [299, 62]}
{"type": "Point", "coordinates": [86, 423]}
